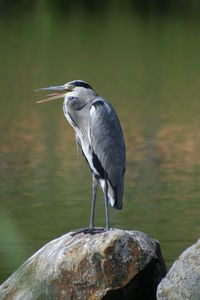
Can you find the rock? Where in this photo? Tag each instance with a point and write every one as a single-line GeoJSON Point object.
{"type": "Point", "coordinates": [183, 279]}
{"type": "Point", "coordinates": [115, 264]}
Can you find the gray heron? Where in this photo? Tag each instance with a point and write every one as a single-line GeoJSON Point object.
{"type": "Point", "coordinates": [100, 137]}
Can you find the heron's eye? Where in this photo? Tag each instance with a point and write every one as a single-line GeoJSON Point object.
{"type": "Point", "coordinates": [72, 87]}
{"type": "Point", "coordinates": [69, 86]}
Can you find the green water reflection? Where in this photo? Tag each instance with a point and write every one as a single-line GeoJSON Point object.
{"type": "Point", "coordinates": [148, 66]}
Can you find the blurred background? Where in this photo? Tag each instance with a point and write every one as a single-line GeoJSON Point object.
{"type": "Point", "coordinates": [143, 56]}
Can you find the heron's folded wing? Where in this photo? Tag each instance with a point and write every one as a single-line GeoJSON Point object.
{"type": "Point", "coordinates": [107, 142]}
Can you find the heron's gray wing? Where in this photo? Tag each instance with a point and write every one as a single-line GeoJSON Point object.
{"type": "Point", "coordinates": [107, 143]}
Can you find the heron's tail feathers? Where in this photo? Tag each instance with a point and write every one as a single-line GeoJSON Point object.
{"type": "Point", "coordinates": [115, 196]}
{"type": "Point", "coordinates": [118, 205]}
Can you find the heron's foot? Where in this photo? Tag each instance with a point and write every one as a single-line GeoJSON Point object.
{"type": "Point", "coordinates": [89, 230]}
{"type": "Point", "coordinates": [97, 230]}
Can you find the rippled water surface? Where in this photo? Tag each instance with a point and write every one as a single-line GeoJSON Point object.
{"type": "Point", "coordinates": [148, 67]}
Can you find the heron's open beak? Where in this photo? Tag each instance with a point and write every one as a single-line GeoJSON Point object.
{"type": "Point", "coordinates": [60, 92]}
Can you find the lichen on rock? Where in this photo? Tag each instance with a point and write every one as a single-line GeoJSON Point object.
{"type": "Point", "coordinates": [84, 266]}
{"type": "Point", "coordinates": [183, 279]}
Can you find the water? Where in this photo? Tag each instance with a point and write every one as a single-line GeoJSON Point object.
{"type": "Point", "coordinates": [148, 67]}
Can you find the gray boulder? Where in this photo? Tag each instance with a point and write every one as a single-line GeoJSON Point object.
{"type": "Point", "coordinates": [115, 264]}
{"type": "Point", "coordinates": [182, 282]}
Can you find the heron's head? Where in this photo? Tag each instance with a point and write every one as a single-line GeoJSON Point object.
{"type": "Point", "coordinates": [76, 88]}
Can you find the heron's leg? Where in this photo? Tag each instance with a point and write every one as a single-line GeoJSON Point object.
{"type": "Point", "coordinates": [94, 193]}
{"type": "Point", "coordinates": [105, 190]}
